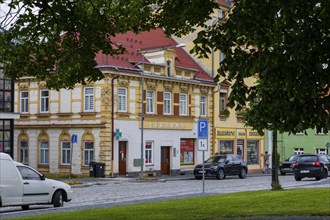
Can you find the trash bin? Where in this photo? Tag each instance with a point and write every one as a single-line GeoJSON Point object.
{"type": "Point", "coordinates": [92, 169]}
{"type": "Point", "coordinates": [99, 169]}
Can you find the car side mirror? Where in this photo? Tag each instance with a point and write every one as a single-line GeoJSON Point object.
{"type": "Point", "coordinates": [227, 161]}
{"type": "Point", "coordinates": [43, 177]}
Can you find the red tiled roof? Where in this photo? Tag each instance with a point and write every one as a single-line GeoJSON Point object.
{"type": "Point", "coordinates": [143, 41]}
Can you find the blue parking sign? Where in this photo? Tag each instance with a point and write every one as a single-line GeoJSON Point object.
{"type": "Point", "coordinates": [203, 129]}
{"type": "Point", "coordinates": [74, 138]}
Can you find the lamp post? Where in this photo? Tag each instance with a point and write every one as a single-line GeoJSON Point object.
{"type": "Point", "coordinates": [143, 52]}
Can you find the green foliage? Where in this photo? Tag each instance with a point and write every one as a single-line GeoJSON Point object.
{"type": "Point", "coordinates": [302, 202]}
{"type": "Point", "coordinates": [285, 46]}
{"type": "Point", "coordinates": [57, 40]}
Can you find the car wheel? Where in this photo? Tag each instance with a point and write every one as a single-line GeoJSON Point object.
{"type": "Point", "coordinates": [221, 174]}
{"type": "Point", "coordinates": [25, 207]}
{"type": "Point", "coordinates": [325, 174]}
{"type": "Point", "coordinates": [297, 178]}
{"type": "Point", "coordinates": [198, 177]}
{"type": "Point", "coordinates": [242, 175]}
{"type": "Point", "coordinates": [58, 199]}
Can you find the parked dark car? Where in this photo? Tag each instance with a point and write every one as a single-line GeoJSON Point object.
{"type": "Point", "coordinates": [220, 166]}
{"type": "Point", "coordinates": [312, 166]}
{"type": "Point", "coordinates": [287, 165]}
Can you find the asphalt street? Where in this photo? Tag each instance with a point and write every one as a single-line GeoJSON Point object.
{"type": "Point", "coordinates": [108, 192]}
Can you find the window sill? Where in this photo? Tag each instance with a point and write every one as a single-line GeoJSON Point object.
{"type": "Point", "coordinates": [65, 114]}
{"type": "Point", "coordinates": [87, 113]}
{"type": "Point", "coordinates": [46, 114]}
{"type": "Point", "coordinates": [43, 166]}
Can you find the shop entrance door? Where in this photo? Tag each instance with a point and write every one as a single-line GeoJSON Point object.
{"type": "Point", "coordinates": [165, 165]}
{"type": "Point", "coordinates": [122, 158]}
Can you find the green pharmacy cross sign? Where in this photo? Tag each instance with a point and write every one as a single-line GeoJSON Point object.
{"type": "Point", "coordinates": [118, 134]}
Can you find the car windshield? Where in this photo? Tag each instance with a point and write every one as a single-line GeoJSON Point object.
{"type": "Point", "coordinates": [307, 158]}
{"type": "Point", "coordinates": [216, 159]}
{"type": "Point", "coordinates": [293, 158]}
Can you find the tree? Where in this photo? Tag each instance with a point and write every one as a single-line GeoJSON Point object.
{"type": "Point", "coordinates": [57, 40]}
{"type": "Point", "coordinates": [285, 46]}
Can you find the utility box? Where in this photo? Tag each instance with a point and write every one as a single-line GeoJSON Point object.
{"type": "Point", "coordinates": [96, 169]}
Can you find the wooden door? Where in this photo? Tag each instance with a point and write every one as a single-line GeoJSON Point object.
{"type": "Point", "coordinates": [165, 165]}
{"type": "Point", "coordinates": [122, 158]}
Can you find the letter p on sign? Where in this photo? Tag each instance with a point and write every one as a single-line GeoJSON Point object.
{"type": "Point", "coordinates": [203, 128]}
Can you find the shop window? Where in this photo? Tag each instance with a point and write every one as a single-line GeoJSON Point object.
{"type": "Point", "coordinates": [183, 104]}
{"type": "Point", "coordinates": [122, 99]}
{"type": "Point", "coordinates": [226, 147]}
{"type": "Point", "coordinates": [88, 152]}
{"type": "Point", "coordinates": [187, 151]}
{"type": "Point", "coordinates": [240, 148]}
{"type": "Point", "coordinates": [66, 152]}
{"type": "Point", "coordinates": [150, 102]}
{"type": "Point", "coordinates": [298, 151]}
{"type": "Point", "coordinates": [253, 152]}
{"type": "Point", "coordinates": [88, 99]}
{"type": "Point", "coordinates": [6, 94]}
{"type": "Point", "coordinates": [148, 152]}
{"type": "Point", "coordinates": [24, 152]}
{"type": "Point", "coordinates": [6, 134]}
{"type": "Point", "coordinates": [44, 152]}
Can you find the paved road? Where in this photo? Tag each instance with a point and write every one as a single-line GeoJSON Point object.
{"type": "Point", "coordinates": [97, 193]}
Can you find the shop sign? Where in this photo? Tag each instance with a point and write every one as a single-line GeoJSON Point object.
{"type": "Point", "coordinates": [168, 125]}
{"type": "Point", "coordinates": [225, 133]}
{"type": "Point", "coordinates": [252, 134]}
{"type": "Point", "coordinates": [241, 133]}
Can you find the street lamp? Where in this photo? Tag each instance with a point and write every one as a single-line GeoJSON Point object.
{"type": "Point", "coordinates": [143, 52]}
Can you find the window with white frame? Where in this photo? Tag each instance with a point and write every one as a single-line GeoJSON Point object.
{"type": "Point", "coordinates": [203, 106]}
{"type": "Point", "coordinates": [44, 100]}
{"type": "Point", "coordinates": [223, 97]}
{"type": "Point", "coordinates": [300, 133]}
{"type": "Point", "coordinates": [167, 103]}
{"type": "Point", "coordinates": [321, 151]}
{"type": "Point", "coordinates": [319, 131]}
{"type": "Point", "coordinates": [88, 99]}
{"type": "Point", "coordinates": [150, 101]}
{"type": "Point", "coordinates": [66, 152]}
{"type": "Point", "coordinates": [183, 104]}
{"type": "Point", "coordinates": [24, 152]}
{"type": "Point", "coordinates": [44, 152]}
{"type": "Point", "coordinates": [24, 101]}
{"type": "Point", "coordinates": [298, 151]}
{"type": "Point", "coordinates": [122, 99]}
{"type": "Point", "coordinates": [148, 152]}
{"type": "Point", "coordinates": [88, 152]}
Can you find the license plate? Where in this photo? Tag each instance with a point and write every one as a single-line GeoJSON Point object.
{"type": "Point", "coordinates": [304, 171]}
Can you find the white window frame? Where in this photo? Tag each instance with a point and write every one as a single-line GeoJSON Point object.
{"type": "Point", "coordinates": [24, 101]}
{"type": "Point", "coordinates": [89, 152]}
{"type": "Point", "coordinates": [44, 153]}
{"type": "Point", "coordinates": [298, 151]}
{"type": "Point", "coordinates": [122, 99]}
{"type": "Point", "coordinates": [150, 102]}
{"type": "Point", "coordinates": [222, 101]}
{"type": "Point", "coordinates": [88, 99]}
{"type": "Point", "coordinates": [44, 101]}
{"type": "Point", "coordinates": [66, 152]}
{"type": "Point", "coordinates": [148, 153]}
{"type": "Point", "coordinates": [167, 103]}
{"type": "Point", "coordinates": [24, 152]}
{"type": "Point", "coordinates": [183, 104]}
{"type": "Point", "coordinates": [203, 106]}
{"type": "Point", "coordinates": [169, 68]}
{"type": "Point", "coordinates": [321, 151]}
{"type": "Point", "coordinates": [321, 132]}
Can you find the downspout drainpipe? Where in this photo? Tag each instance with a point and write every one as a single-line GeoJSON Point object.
{"type": "Point", "coordinates": [112, 124]}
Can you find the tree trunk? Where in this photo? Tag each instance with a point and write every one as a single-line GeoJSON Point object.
{"type": "Point", "coordinates": [275, 181]}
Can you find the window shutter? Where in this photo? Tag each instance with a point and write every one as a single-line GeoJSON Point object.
{"type": "Point", "coordinates": [160, 106]}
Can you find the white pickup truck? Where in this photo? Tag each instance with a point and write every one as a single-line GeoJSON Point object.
{"type": "Point", "coordinates": [21, 185]}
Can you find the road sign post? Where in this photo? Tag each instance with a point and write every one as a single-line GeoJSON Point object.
{"type": "Point", "coordinates": [74, 139]}
{"type": "Point", "coordinates": [203, 136]}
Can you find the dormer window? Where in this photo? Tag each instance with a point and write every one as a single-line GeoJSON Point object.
{"type": "Point", "coordinates": [169, 68]}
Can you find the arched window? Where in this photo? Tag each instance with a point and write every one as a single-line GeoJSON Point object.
{"type": "Point", "coordinates": [23, 147]}
{"type": "Point", "coordinates": [88, 147]}
{"type": "Point", "coordinates": [43, 147]}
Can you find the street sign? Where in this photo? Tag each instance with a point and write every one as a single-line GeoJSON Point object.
{"type": "Point", "coordinates": [203, 129]}
{"type": "Point", "coordinates": [74, 138]}
{"type": "Point", "coordinates": [202, 145]}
